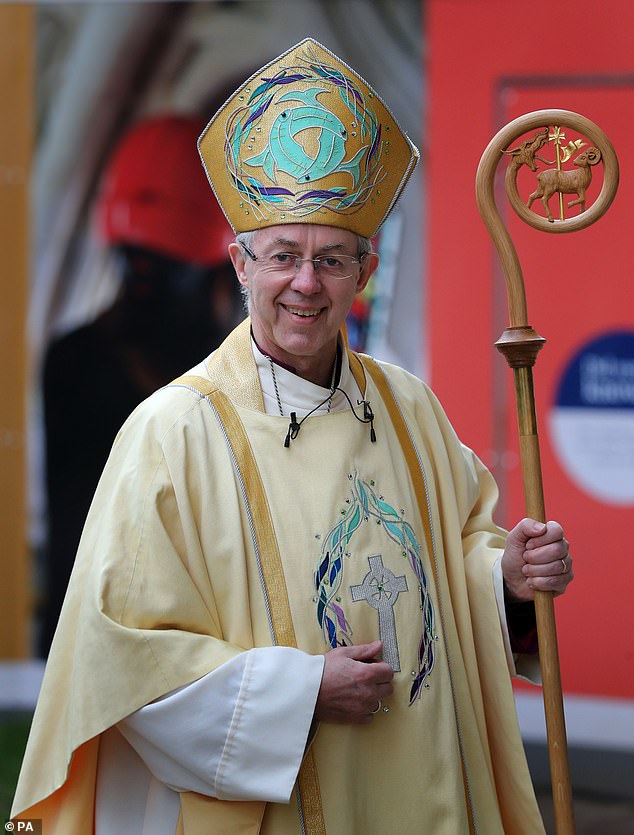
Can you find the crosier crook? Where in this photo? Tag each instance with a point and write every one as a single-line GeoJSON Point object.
{"type": "Point", "coordinates": [520, 344]}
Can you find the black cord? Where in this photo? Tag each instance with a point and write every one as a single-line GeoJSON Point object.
{"type": "Point", "coordinates": [368, 417]}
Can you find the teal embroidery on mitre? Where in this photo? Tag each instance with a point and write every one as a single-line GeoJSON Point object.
{"type": "Point", "coordinates": [284, 153]}
{"type": "Point", "coordinates": [306, 123]}
{"type": "Point", "coordinates": [364, 506]}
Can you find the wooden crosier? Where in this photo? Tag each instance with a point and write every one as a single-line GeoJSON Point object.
{"type": "Point", "coordinates": [520, 345]}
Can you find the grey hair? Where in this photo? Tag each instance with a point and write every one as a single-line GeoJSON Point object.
{"type": "Point", "coordinates": [364, 246]}
{"type": "Point", "coordinates": [247, 239]}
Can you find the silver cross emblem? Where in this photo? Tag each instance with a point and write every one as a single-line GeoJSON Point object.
{"type": "Point", "coordinates": [380, 588]}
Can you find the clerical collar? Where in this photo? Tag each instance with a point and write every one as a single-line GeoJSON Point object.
{"type": "Point", "coordinates": [290, 368]}
{"type": "Point", "coordinates": [299, 395]}
{"type": "Point", "coordinates": [336, 371]}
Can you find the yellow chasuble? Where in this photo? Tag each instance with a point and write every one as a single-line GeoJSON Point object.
{"type": "Point", "coordinates": [207, 537]}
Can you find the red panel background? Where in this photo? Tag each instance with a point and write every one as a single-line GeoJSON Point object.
{"type": "Point", "coordinates": [487, 66]}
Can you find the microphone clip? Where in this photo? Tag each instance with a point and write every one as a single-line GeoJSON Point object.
{"type": "Point", "coordinates": [293, 430]}
{"type": "Point", "coordinates": [368, 417]}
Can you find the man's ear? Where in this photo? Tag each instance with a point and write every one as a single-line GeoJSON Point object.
{"type": "Point", "coordinates": [368, 267]}
{"type": "Point", "coordinates": [238, 260]}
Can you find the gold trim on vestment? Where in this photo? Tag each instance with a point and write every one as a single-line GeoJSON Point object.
{"type": "Point", "coordinates": [268, 549]}
{"type": "Point", "coordinates": [356, 367]}
{"type": "Point", "coordinates": [233, 370]}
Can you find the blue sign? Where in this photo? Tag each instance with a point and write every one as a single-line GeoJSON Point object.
{"type": "Point", "coordinates": [601, 375]}
{"type": "Point", "coordinates": [592, 421]}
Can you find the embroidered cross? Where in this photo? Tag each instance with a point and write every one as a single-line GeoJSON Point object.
{"type": "Point", "coordinates": [380, 588]}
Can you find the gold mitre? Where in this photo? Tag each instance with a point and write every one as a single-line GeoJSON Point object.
{"type": "Point", "coordinates": [306, 140]}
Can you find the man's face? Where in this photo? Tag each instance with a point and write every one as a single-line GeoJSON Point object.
{"type": "Point", "coordinates": [296, 317]}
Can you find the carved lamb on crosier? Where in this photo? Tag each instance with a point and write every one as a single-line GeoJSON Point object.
{"type": "Point", "coordinates": [567, 182]}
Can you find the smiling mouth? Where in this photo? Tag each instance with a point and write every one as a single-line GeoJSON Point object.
{"type": "Point", "coordinates": [307, 314]}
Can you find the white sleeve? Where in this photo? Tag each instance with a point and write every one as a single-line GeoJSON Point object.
{"type": "Point", "coordinates": [238, 733]}
{"type": "Point", "coordinates": [520, 665]}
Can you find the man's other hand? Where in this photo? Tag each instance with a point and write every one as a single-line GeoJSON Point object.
{"type": "Point", "coordinates": [536, 558]}
{"type": "Point", "coordinates": [353, 685]}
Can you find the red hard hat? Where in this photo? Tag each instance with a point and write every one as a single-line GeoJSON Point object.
{"type": "Point", "coordinates": [155, 194]}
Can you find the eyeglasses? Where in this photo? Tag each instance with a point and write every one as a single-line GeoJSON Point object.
{"type": "Point", "coordinates": [287, 263]}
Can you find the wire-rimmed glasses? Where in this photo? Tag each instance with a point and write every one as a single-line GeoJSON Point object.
{"type": "Point", "coordinates": [285, 264]}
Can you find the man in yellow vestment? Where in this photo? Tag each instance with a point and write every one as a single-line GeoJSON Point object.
{"type": "Point", "coordinates": [291, 610]}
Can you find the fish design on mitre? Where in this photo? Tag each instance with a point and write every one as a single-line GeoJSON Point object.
{"type": "Point", "coordinates": [285, 153]}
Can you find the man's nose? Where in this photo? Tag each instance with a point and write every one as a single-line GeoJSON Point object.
{"type": "Point", "coordinates": [307, 278]}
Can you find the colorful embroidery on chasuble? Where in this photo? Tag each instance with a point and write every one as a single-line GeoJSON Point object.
{"type": "Point", "coordinates": [380, 587]}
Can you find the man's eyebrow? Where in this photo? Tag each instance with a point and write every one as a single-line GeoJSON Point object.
{"type": "Point", "coordinates": [284, 242]}
{"type": "Point", "coordinates": [329, 247]}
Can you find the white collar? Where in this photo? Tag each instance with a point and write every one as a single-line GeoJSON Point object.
{"type": "Point", "coordinates": [299, 395]}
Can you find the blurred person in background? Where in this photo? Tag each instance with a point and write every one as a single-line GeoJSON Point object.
{"type": "Point", "coordinates": [177, 301]}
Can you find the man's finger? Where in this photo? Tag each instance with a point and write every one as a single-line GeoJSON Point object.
{"type": "Point", "coordinates": [552, 533]}
{"type": "Point", "coordinates": [548, 568]}
{"type": "Point", "coordinates": [524, 532]}
{"type": "Point", "coordinates": [553, 552]}
{"type": "Point", "coordinates": [364, 652]}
